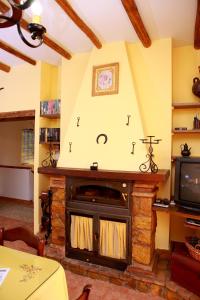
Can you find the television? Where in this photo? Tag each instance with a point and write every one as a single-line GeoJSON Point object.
{"type": "Point", "coordinates": [187, 183]}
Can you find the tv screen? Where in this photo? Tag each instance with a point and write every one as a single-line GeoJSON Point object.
{"type": "Point", "coordinates": [187, 183]}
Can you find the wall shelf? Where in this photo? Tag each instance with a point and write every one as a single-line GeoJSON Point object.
{"type": "Point", "coordinates": [178, 105]}
{"type": "Point", "coordinates": [189, 131]}
{"type": "Point", "coordinates": [48, 143]}
{"type": "Point", "coordinates": [51, 116]}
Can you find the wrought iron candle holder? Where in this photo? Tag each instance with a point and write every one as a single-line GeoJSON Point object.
{"type": "Point", "coordinates": [49, 161]}
{"type": "Point", "coordinates": [149, 164]}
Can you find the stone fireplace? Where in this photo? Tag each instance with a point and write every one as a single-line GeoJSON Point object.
{"type": "Point", "coordinates": [143, 188]}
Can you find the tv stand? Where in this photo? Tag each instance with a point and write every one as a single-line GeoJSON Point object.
{"type": "Point", "coordinates": [183, 213]}
{"type": "Point", "coordinates": [179, 211]}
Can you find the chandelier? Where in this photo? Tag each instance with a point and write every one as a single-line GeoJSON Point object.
{"type": "Point", "coordinates": [14, 16]}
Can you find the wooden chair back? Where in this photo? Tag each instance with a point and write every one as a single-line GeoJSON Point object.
{"type": "Point", "coordinates": [22, 234]}
{"type": "Point", "coordinates": [85, 293]}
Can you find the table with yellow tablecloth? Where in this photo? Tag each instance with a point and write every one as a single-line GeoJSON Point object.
{"type": "Point", "coordinates": [31, 277]}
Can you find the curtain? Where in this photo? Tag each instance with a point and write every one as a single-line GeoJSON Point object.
{"type": "Point", "coordinates": [113, 239]}
{"type": "Point", "coordinates": [81, 232]}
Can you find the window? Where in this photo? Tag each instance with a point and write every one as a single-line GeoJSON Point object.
{"type": "Point", "coordinates": [27, 146]}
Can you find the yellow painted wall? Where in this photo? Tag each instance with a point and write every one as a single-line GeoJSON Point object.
{"type": "Point", "coordinates": [72, 73]}
{"type": "Point", "coordinates": [105, 114]}
{"type": "Point", "coordinates": [21, 88]}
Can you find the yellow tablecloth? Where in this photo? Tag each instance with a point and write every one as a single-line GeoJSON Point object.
{"type": "Point", "coordinates": [31, 277]}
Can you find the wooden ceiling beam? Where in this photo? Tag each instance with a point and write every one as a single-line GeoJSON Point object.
{"type": "Point", "coordinates": [197, 27]}
{"type": "Point", "coordinates": [79, 22]}
{"type": "Point", "coordinates": [17, 53]}
{"type": "Point", "coordinates": [49, 42]}
{"type": "Point", "coordinates": [4, 67]}
{"type": "Point", "coordinates": [136, 20]}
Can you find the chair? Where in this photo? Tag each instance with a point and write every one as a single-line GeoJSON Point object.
{"type": "Point", "coordinates": [22, 234]}
{"type": "Point", "coordinates": [85, 293]}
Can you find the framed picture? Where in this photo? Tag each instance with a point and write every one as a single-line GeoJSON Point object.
{"type": "Point", "coordinates": [105, 79]}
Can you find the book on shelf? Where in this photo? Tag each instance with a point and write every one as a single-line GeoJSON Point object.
{"type": "Point", "coordinates": [43, 135]}
{"type": "Point", "coordinates": [48, 135]}
{"type": "Point", "coordinates": [53, 134]}
{"type": "Point", "coordinates": [50, 107]}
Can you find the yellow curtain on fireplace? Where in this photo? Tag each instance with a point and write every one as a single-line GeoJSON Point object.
{"type": "Point", "coordinates": [113, 239]}
{"type": "Point", "coordinates": [81, 232]}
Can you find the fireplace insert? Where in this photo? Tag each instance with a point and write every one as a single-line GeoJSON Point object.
{"type": "Point", "coordinates": [98, 228]}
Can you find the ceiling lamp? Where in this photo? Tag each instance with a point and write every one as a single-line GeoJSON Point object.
{"type": "Point", "coordinates": [36, 30]}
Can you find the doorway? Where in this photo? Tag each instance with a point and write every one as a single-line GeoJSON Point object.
{"type": "Point", "coordinates": [16, 171]}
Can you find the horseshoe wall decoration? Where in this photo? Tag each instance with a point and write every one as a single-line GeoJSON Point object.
{"type": "Point", "coordinates": [103, 135]}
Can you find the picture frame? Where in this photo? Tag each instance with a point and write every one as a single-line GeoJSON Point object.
{"type": "Point", "coordinates": [105, 79]}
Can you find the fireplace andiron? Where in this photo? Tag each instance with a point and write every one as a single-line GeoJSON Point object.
{"type": "Point", "coordinates": [46, 201]}
{"type": "Point", "coordinates": [149, 164]}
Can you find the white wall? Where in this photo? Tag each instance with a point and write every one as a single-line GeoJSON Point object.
{"type": "Point", "coordinates": [16, 183]}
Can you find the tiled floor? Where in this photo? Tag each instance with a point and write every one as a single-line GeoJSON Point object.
{"type": "Point", "coordinates": [11, 208]}
{"type": "Point", "coordinates": [103, 290]}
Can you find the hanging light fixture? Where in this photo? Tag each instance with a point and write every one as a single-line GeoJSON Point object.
{"type": "Point", "coordinates": [36, 30]}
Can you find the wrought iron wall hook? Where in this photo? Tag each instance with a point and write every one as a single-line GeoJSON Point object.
{"type": "Point", "coordinates": [128, 116]}
{"type": "Point", "coordinates": [78, 119]}
{"type": "Point", "coordinates": [70, 146]}
{"type": "Point", "coordinates": [133, 147]}
{"type": "Point", "coordinates": [149, 164]}
{"type": "Point", "coordinates": [102, 135]}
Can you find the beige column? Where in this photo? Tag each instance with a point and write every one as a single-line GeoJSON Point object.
{"type": "Point", "coordinates": [143, 222]}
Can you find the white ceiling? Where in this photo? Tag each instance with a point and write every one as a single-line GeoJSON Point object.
{"type": "Point", "coordinates": [109, 21]}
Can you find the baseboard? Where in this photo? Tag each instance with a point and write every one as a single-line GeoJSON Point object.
{"type": "Point", "coordinates": [19, 201]}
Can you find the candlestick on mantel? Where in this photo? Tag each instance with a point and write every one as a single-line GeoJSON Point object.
{"type": "Point", "coordinates": [149, 165]}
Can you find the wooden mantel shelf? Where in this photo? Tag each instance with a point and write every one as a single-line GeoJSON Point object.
{"type": "Point", "coordinates": [160, 176]}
